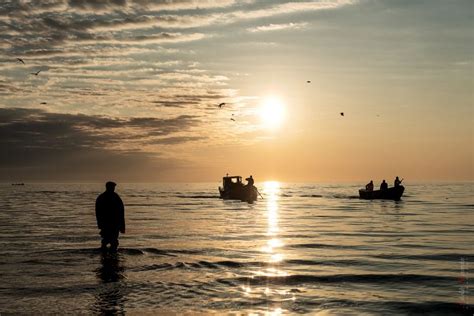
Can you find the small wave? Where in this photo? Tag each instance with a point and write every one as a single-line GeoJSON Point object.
{"type": "Point", "coordinates": [315, 245]}
{"type": "Point", "coordinates": [427, 308]}
{"type": "Point", "coordinates": [131, 251]}
{"type": "Point", "coordinates": [298, 279]}
{"type": "Point", "coordinates": [201, 265]}
{"type": "Point", "coordinates": [155, 267]}
{"type": "Point", "coordinates": [146, 204]}
{"type": "Point", "coordinates": [158, 252]}
{"type": "Point", "coordinates": [454, 257]}
{"type": "Point", "coordinates": [225, 263]}
{"type": "Point", "coordinates": [198, 196]}
{"type": "Point", "coordinates": [352, 262]}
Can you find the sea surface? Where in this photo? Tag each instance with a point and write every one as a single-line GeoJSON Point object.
{"type": "Point", "coordinates": [302, 249]}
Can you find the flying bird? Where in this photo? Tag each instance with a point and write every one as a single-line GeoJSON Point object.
{"type": "Point", "coordinates": [43, 103]}
{"type": "Point", "coordinates": [309, 81]}
{"type": "Point", "coordinates": [221, 105]}
{"type": "Point", "coordinates": [35, 73]}
{"type": "Point", "coordinates": [232, 119]}
{"type": "Point", "coordinates": [342, 113]}
{"type": "Point", "coordinates": [20, 60]}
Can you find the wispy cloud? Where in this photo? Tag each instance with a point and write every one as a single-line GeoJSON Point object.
{"type": "Point", "coordinates": [277, 27]}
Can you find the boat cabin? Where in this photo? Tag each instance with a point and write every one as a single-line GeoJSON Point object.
{"type": "Point", "coordinates": [230, 181]}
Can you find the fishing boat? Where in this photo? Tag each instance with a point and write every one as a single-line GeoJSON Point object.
{"type": "Point", "coordinates": [394, 193]}
{"type": "Point", "coordinates": [233, 189]}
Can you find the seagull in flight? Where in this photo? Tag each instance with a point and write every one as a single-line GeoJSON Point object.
{"type": "Point", "coordinates": [309, 81]}
{"type": "Point", "coordinates": [232, 119]}
{"type": "Point", "coordinates": [43, 103]}
{"type": "Point", "coordinates": [342, 113]}
{"type": "Point", "coordinates": [221, 105]}
{"type": "Point", "coordinates": [20, 60]}
{"type": "Point", "coordinates": [35, 73]}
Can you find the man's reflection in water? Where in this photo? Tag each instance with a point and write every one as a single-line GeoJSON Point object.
{"type": "Point", "coordinates": [110, 299]}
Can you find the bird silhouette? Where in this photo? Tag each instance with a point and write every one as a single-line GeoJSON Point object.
{"type": "Point", "coordinates": [35, 73]}
{"type": "Point", "coordinates": [221, 105]}
{"type": "Point", "coordinates": [20, 60]}
{"type": "Point", "coordinates": [342, 113]}
{"type": "Point", "coordinates": [309, 81]}
{"type": "Point", "coordinates": [232, 119]}
{"type": "Point", "coordinates": [43, 103]}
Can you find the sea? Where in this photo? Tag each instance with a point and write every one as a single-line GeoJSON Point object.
{"type": "Point", "coordinates": [302, 248]}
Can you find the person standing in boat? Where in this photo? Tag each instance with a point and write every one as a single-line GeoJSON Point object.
{"type": "Point", "coordinates": [110, 214]}
{"type": "Point", "coordinates": [370, 186]}
{"type": "Point", "coordinates": [383, 185]}
{"type": "Point", "coordinates": [397, 182]}
{"type": "Point", "coordinates": [250, 181]}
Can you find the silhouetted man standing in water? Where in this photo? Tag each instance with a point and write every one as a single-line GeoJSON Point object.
{"type": "Point", "coordinates": [110, 214]}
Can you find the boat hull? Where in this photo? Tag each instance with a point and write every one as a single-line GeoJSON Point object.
{"type": "Point", "coordinates": [243, 193]}
{"type": "Point", "coordinates": [394, 193]}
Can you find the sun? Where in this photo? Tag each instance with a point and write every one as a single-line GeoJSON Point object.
{"type": "Point", "coordinates": [272, 112]}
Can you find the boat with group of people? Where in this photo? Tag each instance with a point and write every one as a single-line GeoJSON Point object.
{"type": "Point", "coordinates": [385, 193]}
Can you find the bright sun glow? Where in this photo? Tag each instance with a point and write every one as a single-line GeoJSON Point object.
{"type": "Point", "coordinates": [272, 112]}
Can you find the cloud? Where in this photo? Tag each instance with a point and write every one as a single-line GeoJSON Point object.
{"type": "Point", "coordinates": [35, 128]}
{"type": "Point", "coordinates": [33, 139]}
{"type": "Point", "coordinates": [97, 4]}
{"type": "Point", "coordinates": [159, 38]}
{"type": "Point", "coordinates": [277, 27]}
{"type": "Point", "coordinates": [22, 7]}
{"type": "Point", "coordinates": [139, 5]}
{"type": "Point", "coordinates": [8, 88]}
{"type": "Point", "coordinates": [175, 140]}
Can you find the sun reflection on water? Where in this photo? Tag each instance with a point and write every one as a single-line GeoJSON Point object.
{"type": "Point", "coordinates": [272, 251]}
{"type": "Point", "coordinates": [271, 190]}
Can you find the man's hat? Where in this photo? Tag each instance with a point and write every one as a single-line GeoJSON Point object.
{"type": "Point", "coordinates": [110, 184]}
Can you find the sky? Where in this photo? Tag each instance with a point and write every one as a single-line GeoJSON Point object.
{"type": "Point", "coordinates": [329, 90]}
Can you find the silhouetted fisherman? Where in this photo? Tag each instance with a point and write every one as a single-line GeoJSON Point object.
{"type": "Point", "coordinates": [110, 214]}
{"type": "Point", "coordinates": [250, 181]}
{"type": "Point", "coordinates": [383, 185]}
{"type": "Point", "coordinates": [397, 182]}
{"type": "Point", "coordinates": [370, 186]}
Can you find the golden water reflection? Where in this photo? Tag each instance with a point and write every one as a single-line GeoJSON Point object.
{"type": "Point", "coordinates": [271, 249]}
{"type": "Point", "coordinates": [271, 190]}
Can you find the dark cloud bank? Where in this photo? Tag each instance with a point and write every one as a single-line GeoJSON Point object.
{"type": "Point", "coordinates": [40, 146]}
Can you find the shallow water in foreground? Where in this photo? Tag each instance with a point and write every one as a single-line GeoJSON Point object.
{"type": "Point", "coordinates": [304, 248]}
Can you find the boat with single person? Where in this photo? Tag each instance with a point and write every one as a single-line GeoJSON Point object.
{"type": "Point", "coordinates": [394, 193]}
{"type": "Point", "coordinates": [233, 189]}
